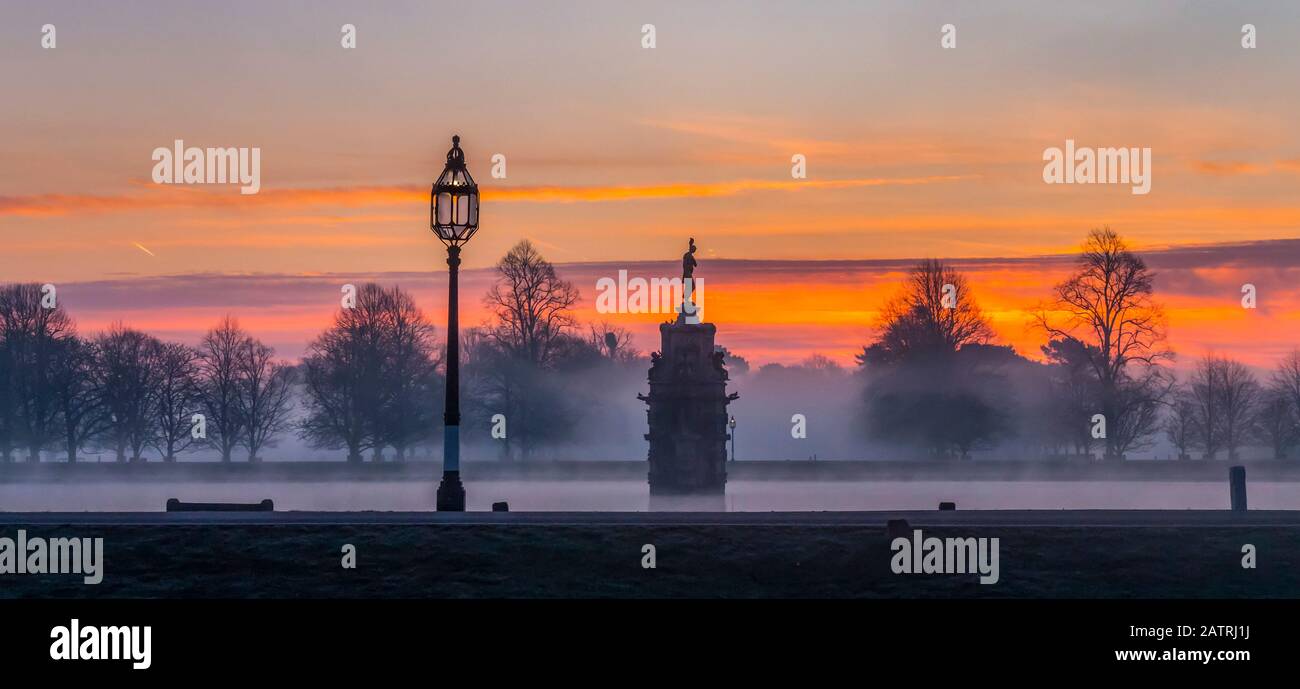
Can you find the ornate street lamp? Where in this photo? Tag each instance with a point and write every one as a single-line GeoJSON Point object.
{"type": "Point", "coordinates": [453, 216]}
{"type": "Point", "coordinates": [732, 425]}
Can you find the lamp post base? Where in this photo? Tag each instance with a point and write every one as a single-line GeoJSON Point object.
{"type": "Point", "coordinates": [451, 493]}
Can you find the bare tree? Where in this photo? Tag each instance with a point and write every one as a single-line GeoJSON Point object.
{"type": "Point", "coordinates": [336, 416]}
{"type": "Point", "coordinates": [1206, 386]}
{"type": "Point", "coordinates": [1226, 395]}
{"type": "Point", "coordinates": [341, 378]}
{"type": "Point", "coordinates": [1286, 378]}
{"type": "Point", "coordinates": [371, 380]}
{"type": "Point", "coordinates": [927, 378]}
{"type": "Point", "coordinates": [1241, 396]}
{"type": "Point", "coordinates": [1107, 304]}
{"type": "Point", "coordinates": [1276, 421]}
{"type": "Point", "coordinates": [177, 398]}
{"type": "Point", "coordinates": [219, 376]}
{"type": "Point", "coordinates": [263, 396]}
{"type": "Point", "coordinates": [531, 398]}
{"type": "Point", "coordinates": [1073, 393]}
{"type": "Point", "coordinates": [128, 380]}
{"type": "Point", "coordinates": [30, 338]}
{"type": "Point", "coordinates": [410, 380]}
{"type": "Point", "coordinates": [8, 400]}
{"type": "Point", "coordinates": [79, 392]}
{"type": "Point", "coordinates": [531, 305]}
{"type": "Point", "coordinates": [934, 314]}
{"type": "Point", "coordinates": [1180, 423]}
{"type": "Point", "coordinates": [529, 336]}
{"type": "Point", "coordinates": [613, 342]}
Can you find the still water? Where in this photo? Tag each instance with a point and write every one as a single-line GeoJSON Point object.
{"type": "Point", "coordinates": [632, 496]}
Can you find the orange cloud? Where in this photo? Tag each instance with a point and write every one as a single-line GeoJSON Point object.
{"type": "Point", "coordinates": [1228, 168]}
{"type": "Point", "coordinates": [195, 197]}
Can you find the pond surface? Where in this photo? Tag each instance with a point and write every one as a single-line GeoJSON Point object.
{"type": "Point", "coordinates": [632, 496]}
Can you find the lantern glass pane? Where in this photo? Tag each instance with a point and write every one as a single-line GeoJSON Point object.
{"type": "Point", "coordinates": [444, 208]}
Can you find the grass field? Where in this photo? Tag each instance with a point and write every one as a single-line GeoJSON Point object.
{"type": "Point", "coordinates": [704, 561]}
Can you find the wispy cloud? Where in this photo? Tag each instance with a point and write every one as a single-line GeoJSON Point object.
{"type": "Point", "coordinates": [1226, 168]}
{"type": "Point", "coordinates": [353, 197]}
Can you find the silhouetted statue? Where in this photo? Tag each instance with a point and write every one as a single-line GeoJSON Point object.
{"type": "Point", "coordinates": [687, 404]}
{"type": "Point", "coordinates": [688, 283]}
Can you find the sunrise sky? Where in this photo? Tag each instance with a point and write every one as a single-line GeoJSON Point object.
{"type": "Point", "coordinates": [616, 154]}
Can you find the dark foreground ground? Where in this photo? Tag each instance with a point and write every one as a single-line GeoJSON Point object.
{"type": "Point", "coordinates": [1058, 554]}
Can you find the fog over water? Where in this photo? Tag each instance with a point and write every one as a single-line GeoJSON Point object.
{"type": "Point", "coordinates": [632, 496]}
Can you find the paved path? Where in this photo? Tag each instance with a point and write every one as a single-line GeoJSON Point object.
{"type": "Point", "coordinates": [985, 518]}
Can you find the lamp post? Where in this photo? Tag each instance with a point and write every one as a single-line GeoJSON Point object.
{"type": "Point", "coordinates": [453, 216]}
{"type": "Point", "coordinates": [732, 425]}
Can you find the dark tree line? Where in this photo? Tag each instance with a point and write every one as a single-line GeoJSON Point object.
{"type": "Point", "coordinates": [373, 381]}
{"type": "Point", "coordinates": [934, 383]}
{"type": "Point", "coordinates": [129, 393]}
{"type": "Point", "coordinates": [1223, 407]}
{"type": "Point", "coordinates": [376, 378]}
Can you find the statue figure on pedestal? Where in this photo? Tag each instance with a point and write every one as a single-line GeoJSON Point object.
{"type": "Point", "coordinates": [687, 405]}
{"type": "Point", "coordinates": [688, 283]}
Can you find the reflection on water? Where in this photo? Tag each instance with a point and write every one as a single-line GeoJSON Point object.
{"type": "Point", "coordinates": [632, 496]}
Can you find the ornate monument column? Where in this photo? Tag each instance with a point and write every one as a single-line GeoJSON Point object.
{"type": "Point", "coordinates": [687, 403]}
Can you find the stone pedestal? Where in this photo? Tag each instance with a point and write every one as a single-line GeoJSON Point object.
{"type": "Point", "coordinates": [687, 412]}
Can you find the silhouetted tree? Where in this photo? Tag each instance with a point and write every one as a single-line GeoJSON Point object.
{"type": "Point", "coordinates": [31, 336]}
{"type": "Point", "coordinates": [1241, 396]}
{"type": "Point", "coordinates": [335, 416]}
{"type": "Point", "coordinates": [1226, 394]}
{"type": "Point", "coordinates": [531, 305]}
{"type": "Point", "coordinates": [1206, 387]}
{"type": "Point", "coordinates": [1074, 397]}
{"type": "Point", "coordinates": [613, 342]}
{"type": "Point", "coordinates": [1276, 421]}
{"type": "Point", "coordinates": [519, 367]}
{"type": "Point", "coordinates": [929, 382]}
{"type": "Point", "coordinates": [219, 381]}
{"type": "Point", "coordinates": [1285, 379]}
{"type": "Point", "coordinates": [934, 315]}
{"type": "Point", "coordinates": [409, 379]}
{"type": "Point", "coordinates": [372, 379]}
{"type": "Point", "coordinates": [537, 408]}
{"type": "Point", "coordinates": [1107, 305]}
{"type": "Point", "coordinates": [1180, 424]}
{"type": "Point", "coordinates": [177, 398]}
{"type": "Point", "coordinates": [8, 401]}
{"type": "Point", "coordinates": [129, 382]}
{"type": "Point", "coordinates": [263, 397]}
{"type": "Point", "coordinates": [78, 385]}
